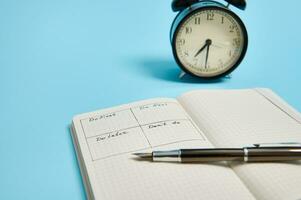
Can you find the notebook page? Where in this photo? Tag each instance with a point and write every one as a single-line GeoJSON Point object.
{"type": "Point", "coordinates": [236, 118]}
{"type": "Point", "coordinates": [107, 138]}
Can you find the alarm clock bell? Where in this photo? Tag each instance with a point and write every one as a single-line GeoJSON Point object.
{"type": "Point", "coordinates": [178, 5]}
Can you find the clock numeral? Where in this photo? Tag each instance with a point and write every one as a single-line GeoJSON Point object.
{"type": "Point", "coordinates": [182, 41]}
{"type": "Point", "coordinates": [222, 20]}
{"type": "Point", "coordinates": [186, 53]}
{"type": "Point", "coordinates": [207, 67]}
{"type": "Point", "coordinates": [210, 16]}
{"type": "Point", "coordinates": [197, 20]}
{"type": "Point", "coordinates": [231, 28]}
{"type": "Point", "coordinates": [236, 42]}
{"type": "Point", "coordinates": [188, 30]}
{"type": "Point", "coordinates": [230, 53]}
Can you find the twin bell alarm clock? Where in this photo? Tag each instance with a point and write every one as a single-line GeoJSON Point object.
{"type": "Point", "coordinates": [208, 39]}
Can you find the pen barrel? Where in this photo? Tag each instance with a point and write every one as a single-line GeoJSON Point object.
{"type": "Point", "coordinates": [273, 154]}
{"type": "Point", "coordinates": [212, 155]}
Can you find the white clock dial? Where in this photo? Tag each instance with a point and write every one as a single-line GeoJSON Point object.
{"type": "Point", "coordinates": [209, 42]}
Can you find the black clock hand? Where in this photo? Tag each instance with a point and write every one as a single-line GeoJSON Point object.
{"type": "Point", "coordinates": [208, 42]}
{"type": "Point", "coordinates": [199, 51]}
{"type": "Point", "coordinates": [207, 52]}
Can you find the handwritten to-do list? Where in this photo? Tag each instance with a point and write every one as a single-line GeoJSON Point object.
{"type": "Point", "coordinates": [138, 128]}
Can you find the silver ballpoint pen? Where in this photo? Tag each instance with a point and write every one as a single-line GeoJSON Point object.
{"type": "Point", "coordinates": [267, 152]}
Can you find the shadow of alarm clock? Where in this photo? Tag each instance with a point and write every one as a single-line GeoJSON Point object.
{"type": "Point", "coordinates": [208, 39]}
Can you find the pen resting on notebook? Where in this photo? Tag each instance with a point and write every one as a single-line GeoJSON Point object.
{"type": "Point", "coordinates": [247, 154]}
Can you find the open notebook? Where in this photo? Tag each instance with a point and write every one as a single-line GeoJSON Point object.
{"type": "Point", "coordinates": [105, 140]}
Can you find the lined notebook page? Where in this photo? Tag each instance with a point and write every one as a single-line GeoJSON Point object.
{"type": "Point", "coordinates": [106, 140]}
{"type": "Point", "coordinates": [237, 118]}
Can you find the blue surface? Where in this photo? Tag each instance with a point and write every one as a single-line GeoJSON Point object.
{"type": "Point", "coordinates": [59, 58]}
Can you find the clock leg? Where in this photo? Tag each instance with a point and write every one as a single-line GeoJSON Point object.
{"type": "Point", "coordinates": [229, 76]}
{"type": "Point", "coordinates": [182, 74]}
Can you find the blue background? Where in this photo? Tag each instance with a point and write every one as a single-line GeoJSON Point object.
{"type": "Point", "coordinates": [59, 58]}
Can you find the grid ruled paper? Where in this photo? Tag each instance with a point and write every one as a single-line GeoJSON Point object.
{"type": "Point", "coordinates": [106, 140]}
{"type": "Point", "coordinates": [238, 118]}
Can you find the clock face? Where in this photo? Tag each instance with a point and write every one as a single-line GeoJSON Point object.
{"type": "Point", "coordinates": [210, 42]}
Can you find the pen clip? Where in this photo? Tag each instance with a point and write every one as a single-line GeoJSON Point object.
{"type": "Point", "coordinates": [282, 144]}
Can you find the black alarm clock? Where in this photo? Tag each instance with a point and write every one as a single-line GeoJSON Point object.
{"type": "Point", "coordinates": [208, 39]}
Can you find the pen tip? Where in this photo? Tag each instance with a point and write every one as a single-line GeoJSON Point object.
{"type": "Point", "coordinates": [144, 155]}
